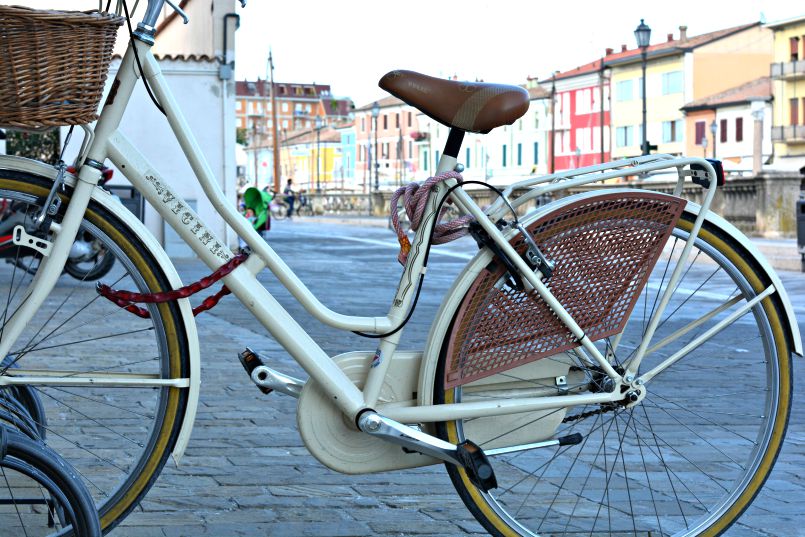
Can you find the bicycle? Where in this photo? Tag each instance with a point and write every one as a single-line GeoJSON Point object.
{"type": "Point", "coordinates": [33, 477]}
{"type": "Point", "coordinates": [562, 358]}
{"type": "Point", "coordinates": [278, 208]}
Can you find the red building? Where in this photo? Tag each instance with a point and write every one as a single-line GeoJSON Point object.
{"type": "Point", "coordinates": [579, 133]}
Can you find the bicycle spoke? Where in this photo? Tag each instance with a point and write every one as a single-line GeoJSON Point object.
{"type": "Point", "coordinates": [664, 465]}
{"type": "Point", "coordinates": [139, 330]}
{"type": "Point", "coordinates": [13, 500]}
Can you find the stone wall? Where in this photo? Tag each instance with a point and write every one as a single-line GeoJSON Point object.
{"type": "Point", "coordinates": [764, 205]}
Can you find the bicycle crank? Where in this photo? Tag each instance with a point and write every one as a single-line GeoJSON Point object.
{"type": "Point", "coordinates": [467, 454]}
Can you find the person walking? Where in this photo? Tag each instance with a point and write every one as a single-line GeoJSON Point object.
{"type": "Point", "coordinates": [289, 197]}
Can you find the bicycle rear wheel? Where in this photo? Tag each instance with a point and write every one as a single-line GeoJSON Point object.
{"type": "Point", "coordinates": [686, 460]}
{"type": "Point", "coordinates": [40, 494]}
{"type": "Point", "coordinates": [117, 439]}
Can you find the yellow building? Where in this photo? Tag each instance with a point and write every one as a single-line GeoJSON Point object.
{"type": "Point", "coordinates": [678, 71]}
{"type": "Point", "coordinates": [788, 79]}
{"type": "Point", "coordinates": [309, 159]}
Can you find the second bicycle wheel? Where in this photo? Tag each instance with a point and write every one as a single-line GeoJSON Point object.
{"type": "Point", "coordinates": [116, 438]}
{"type": "Point", "coordinates": [687, 459]}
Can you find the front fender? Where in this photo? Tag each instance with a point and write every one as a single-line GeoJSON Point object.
{"type": "Point", "coordinates": [110, 202]}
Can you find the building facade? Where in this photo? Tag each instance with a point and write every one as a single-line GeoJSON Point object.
{"type": "Point", "coordinates": [344, 165]}
{"type": "Point", "coordinates": [300, 107]}
{"type": "Point", "coordinates": [678, 71]}
{"type": "Point", "coordinates": [788, 79]}
{"type": "Point", "coordinates": [580, 134]}
{"type": "Point", "coordinates": [387, 154]}
{"type": "Point", "coordinates": [504, 155]}
{"type": "Point", "coordinates": [308, 157]}
{"type": "Point", "coordinates": [729, 120]}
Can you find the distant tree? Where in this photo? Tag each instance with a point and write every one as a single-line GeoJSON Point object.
{"type": "Point", "coordinates": [38, 146]}
{"type": "Point", "coordinates": [240, 136]}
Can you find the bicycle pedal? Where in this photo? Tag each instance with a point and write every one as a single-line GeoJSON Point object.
{"type": "Point", "coordinates": [267, 379]}
{"type": "Point", "coordinates": [477, 465]}
{"type": "Point", "coordinates": [251, 361]}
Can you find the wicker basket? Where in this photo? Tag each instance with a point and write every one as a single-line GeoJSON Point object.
{"type": "Point", "coordinates": [53, 65]}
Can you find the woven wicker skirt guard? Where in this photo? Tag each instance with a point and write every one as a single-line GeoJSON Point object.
{"type": "Point", "coordinates": [604, 248]}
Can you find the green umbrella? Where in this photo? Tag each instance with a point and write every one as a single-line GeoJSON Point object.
{"type": "Point", "coordinates": [257, 201]}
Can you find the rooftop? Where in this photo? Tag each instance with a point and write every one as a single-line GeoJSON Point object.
{"type": "Point", "coordinates": [758, 89]}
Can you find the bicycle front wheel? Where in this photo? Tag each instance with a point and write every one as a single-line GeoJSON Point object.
{"type": "Point", "coordinates": [687, 459]}
{"type": "Point", "coordinates": [116, 438]}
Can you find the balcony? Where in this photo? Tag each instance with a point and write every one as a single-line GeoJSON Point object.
{"type": "Point", "coordinates": [790, 134]}
{"type": "Point", "coordinates": [788, 70]}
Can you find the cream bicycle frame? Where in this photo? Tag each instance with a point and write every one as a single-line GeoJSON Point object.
{"type": "Point", "coordinates": [110, 143]}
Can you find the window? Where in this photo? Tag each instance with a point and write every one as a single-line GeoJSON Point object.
{"type": "Point", "coordinates": [410, 115]}
{"type": "Point", "coordinates": [385, 121]}
{"type": "Point", "coordinates": [238, 105]}
{"type": "Point", "coordinates": [536, 153]}
{"type": "Point", "coordinates": [623, 90]}
{"type": "Point", "coordinates": [672, 82]}
{"type": "Point", "coordinates": [519, 154]}
{"type": "Point", "coordinates": [398, 120]}
{"type": "Point", "coordinates": [739, 129]}
{"type": "Point", "coordinates": [624, 136]}
{"type": "Point", "coordinates": [363, 123]}
{"type": "Point", "coordinates": [699, 132]}
{"type": "Point", "coordinates": [794, 44]}
{"type": "Point", "coordinates": [467, 160]}
{"type": "Point", "coordinates": [425, 159]}
{"type": "Point", "coordinates": [793, 110]}
{"type": "Point", "coordinates": [410, 148]}
{"type": "Point", "coordinates": [723, 126]}
{"type": "Point", "coordinates": [672, 131]}
{"type": "Point", "coordinates": [436, 155]}
{"type": "Point", "coordinates": [536, 120]}
{"type": "Point", "coordinates": [504, 156]}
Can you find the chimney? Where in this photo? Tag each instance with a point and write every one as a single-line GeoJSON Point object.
{"type": "Point", "coordinates": [532, 82]}
{"type": "Point", "coordinates": [623, 48]}
{"type": "Point", "coordinates": [683, 33]}
{"type": "Point", "coordinates": [609, 50]}
{"type": "Point", "coordinates": [670, 37]}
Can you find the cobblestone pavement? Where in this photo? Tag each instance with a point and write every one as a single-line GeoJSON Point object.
{"type": "Point", "coordinates": [246, 471]}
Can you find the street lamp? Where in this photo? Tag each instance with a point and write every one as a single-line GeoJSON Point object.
{"type": "Point", "coordinates": [713, 129]}
{"type": "Point", "coordinates": [643, 35]}
{"type": "Point", "coordinates": [319, 124]}
{"type": "Point", "coordinates": [375, 113]}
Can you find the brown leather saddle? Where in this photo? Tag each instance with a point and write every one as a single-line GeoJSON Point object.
{"type": "Point", "coordinates": [469, 106]}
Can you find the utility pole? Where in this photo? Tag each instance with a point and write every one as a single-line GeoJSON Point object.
{"type": "Point", "coordinates": [553, 124]}
{"type": "Point", "coordinates": [274, 136]}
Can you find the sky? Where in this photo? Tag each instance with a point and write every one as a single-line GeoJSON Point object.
{"type": "Point", "coordinates": [352, 43]}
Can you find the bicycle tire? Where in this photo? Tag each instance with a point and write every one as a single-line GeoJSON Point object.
{"type": "Point", "coordinates": [707, 433]}
{"type": "Point", "coordinates": [279, 211]}
{"type": "Point", "coordinates": [132, 430]}
{"type": "Point", "coordinates": [72, 505]}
